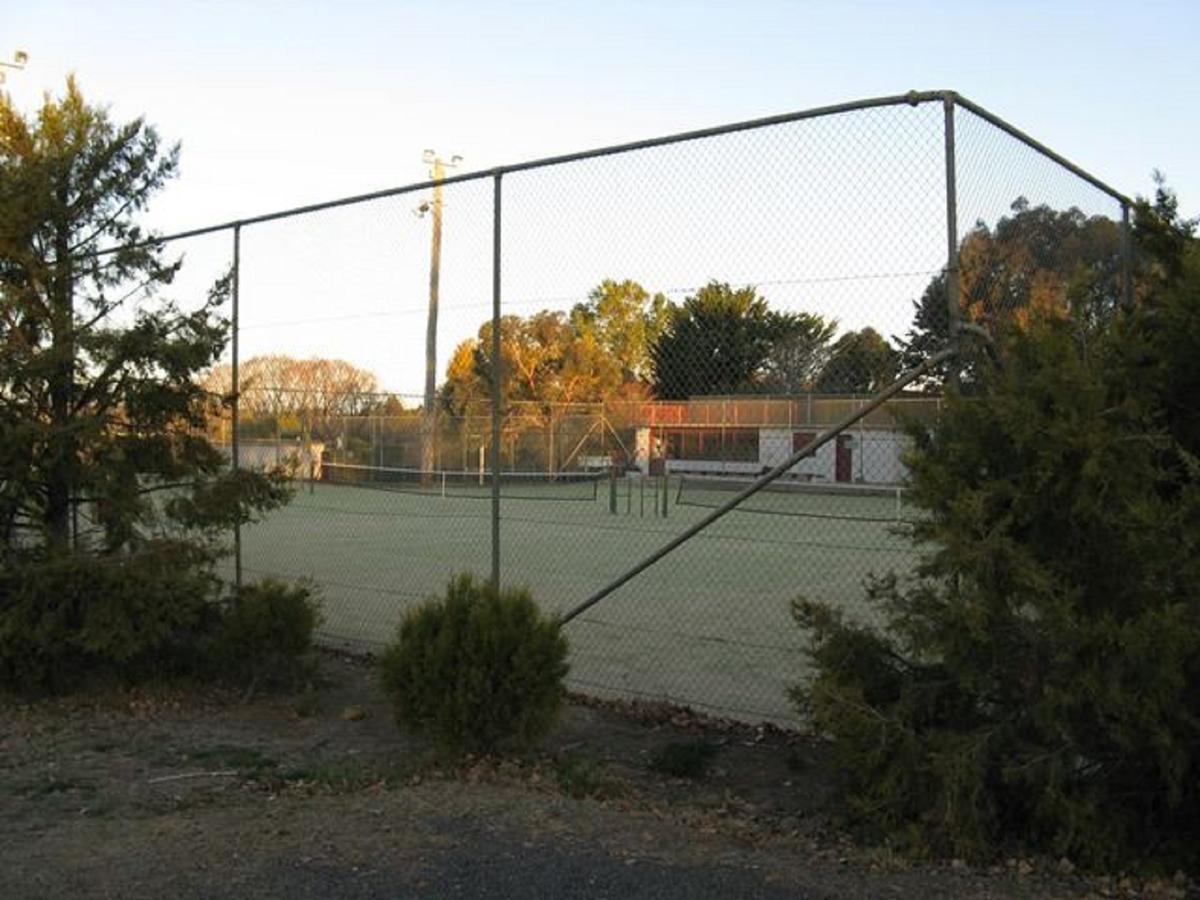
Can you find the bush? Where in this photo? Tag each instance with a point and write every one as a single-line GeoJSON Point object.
{"type": "Point", "coordinates": [1037, 684]}
{"type": "Point", "coordinates": [265, 635]}
{"type": "Point", "coordinates": [70, 618]}
{"type": "Point", "coordinates": [477, 669]}
{"type": "Point", "coordinates": [156, 614]}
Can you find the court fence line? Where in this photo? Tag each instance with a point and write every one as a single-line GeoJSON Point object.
{"type": "Point", "coordinates": [978, 190]}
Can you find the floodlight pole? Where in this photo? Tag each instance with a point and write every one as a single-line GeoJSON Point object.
{"type": "Point", "coordinates": [437, 173]}
{"type": "Point", "coordinates": [20, 58]}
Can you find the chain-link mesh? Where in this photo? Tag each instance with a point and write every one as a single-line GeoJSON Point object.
{"type": "Point", "coordinates": [333, 355]}
{"type": "Point", "coordinates": [1035, 238]}
{"type": "Point", "coordinates": [676, 319]}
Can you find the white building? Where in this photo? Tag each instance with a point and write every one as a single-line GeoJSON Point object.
{"type": "Point", "coordinates": [297, 459]}
{"type": "Point", "coordinates": [748, 435]}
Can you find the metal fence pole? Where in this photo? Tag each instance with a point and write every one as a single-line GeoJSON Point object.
{"type": "Point", "coordinates": [1126, 258]}
{"type": "Point", "coordinates": [235, 387]}
{"type": "Point", "coordinates": [496, 376]}
{"type": "Point", "coordinates": [953, 285]}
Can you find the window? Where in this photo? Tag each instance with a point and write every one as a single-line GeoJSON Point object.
{"type": "Point", "coordinates": [713, 444]}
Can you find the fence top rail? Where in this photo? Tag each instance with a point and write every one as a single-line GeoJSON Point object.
{"type": "Point", "coordinates": [1041, 148]}
{"type": "Point", "coordinates": [911, 98]}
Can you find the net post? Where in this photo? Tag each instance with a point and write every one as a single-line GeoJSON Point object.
{"type": "Point", "coordinates": [235, 388]}
{"type": "Point", "coordinates": [496, 376]}
{"type": "Point", "coordinates": [612, 490]}
{"type": "Point", "coordinates": [953, 284]}
{"type": "Point", "coordinates": [666, 486]}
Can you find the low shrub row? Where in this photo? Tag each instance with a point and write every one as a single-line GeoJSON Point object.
{"type": "Point", "coordinates": [159, 613]}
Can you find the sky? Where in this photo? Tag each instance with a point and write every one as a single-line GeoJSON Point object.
{"type": "Point", "coordinates": [280, 104]}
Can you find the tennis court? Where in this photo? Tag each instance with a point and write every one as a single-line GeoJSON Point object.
{"type": "Point", "coordinates": [709, 626]}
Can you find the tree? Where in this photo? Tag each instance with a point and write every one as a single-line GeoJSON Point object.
{"type": "Point", "coordinates": [1036, 259]}
{"type": "Point", "coordinates": [93, 412]}
{"type": "Point", "coordinates": [545, 362]}
{"type": "Point", "coordinates": [547, 365]}
{"type": "Point", "coordinates": [625, 321]}
{"type": "Point", "coordinates": [861, 362]}
{"type": "Point", "coordinates": [314, 391]}
{"type": "Point", "coordinates": [464, 392]}
{"type": "Point", "coordinates": [720, 341]}
{"type": "Point", "coordinates": [799, 355]}
{"type": "Point", "coordinates": [1035, 682]}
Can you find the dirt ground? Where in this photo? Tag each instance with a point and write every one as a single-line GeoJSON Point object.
{"type": "Point", "coordinates": [158, 792]}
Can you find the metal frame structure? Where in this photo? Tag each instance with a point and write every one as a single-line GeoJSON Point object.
{"type": "Point", "coordinates": [950, 100]}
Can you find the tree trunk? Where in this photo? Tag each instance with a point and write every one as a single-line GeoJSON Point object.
{"type": "Point", "coordinates": [60, 455]}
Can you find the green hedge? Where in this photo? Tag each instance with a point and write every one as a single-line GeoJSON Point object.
{"type": "Point", "coordinates": [158, 613]}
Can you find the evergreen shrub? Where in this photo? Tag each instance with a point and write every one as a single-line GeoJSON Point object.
{"type": "Point", "coordinates": [478, 669]}
{"type": "Point", "coordinates": [159, 613]}
{"type": "Point", "coordinates": [265, 636]}
{"type": "Point", "coordinates": [68, 618]}
{"type": "Point", "coordinates": [1036, 684]}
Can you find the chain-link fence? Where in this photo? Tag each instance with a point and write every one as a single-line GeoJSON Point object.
{"type": "Point", "coordinates": [666, 385]}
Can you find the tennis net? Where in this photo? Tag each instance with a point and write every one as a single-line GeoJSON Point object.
{"type": "Point", "coordinates": [790, 497]}
{"type": "Point", "coordinates": [465, 483]}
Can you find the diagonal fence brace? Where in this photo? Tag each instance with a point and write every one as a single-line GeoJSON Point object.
{"type": "Point", "coordinates": [766, 478]}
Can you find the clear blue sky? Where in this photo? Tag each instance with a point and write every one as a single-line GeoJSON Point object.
{"type": "Point", "coordinates": [283, 103]}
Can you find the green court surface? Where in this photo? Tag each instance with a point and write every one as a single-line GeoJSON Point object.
{"type": "Point", "coordinates": [709, 626]}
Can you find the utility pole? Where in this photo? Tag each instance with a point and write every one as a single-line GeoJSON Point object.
{"type": "Point", "coordinates": [437, 172]}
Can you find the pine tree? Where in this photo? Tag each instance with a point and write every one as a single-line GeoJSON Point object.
{"type": "Point", "coordinates": [93, 411]}
{"type": "Point", "coordinates": [1037, 682]}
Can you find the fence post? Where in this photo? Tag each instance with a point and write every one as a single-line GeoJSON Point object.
{"type": "Point", "coordinates": [1126, 258]}
{"type": "Point", "coordinates": [236, 389]}
{"type": "Point", "coordinates": [496, 378]}
{"type": "Point", "coordinates": [953, 285]}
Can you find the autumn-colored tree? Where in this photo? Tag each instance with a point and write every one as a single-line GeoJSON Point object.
{"type": "Point", "coordinates": [312, 391]}
{"type": "Point", "coordinates": [1037, 261]}
{"type": "Point", "coordinates": [625, 321]}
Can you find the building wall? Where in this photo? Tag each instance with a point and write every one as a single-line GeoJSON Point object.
{"type": "Point", "coordinates": [776, 444]}
{"type": "Point", "coordinates": [297, 460]}
{"type": "Point", "coordinates": [879, 457]}
{"type": "Point", "coordinates": [876, 456]}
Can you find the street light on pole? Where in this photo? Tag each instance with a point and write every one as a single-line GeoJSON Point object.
{"type": "Point", "coordinates": [20, 58]}
{"type": "Point", "coordinates": [437, 172]}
